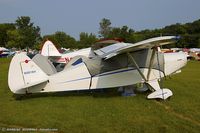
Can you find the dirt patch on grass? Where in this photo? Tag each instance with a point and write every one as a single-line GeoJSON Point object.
{"type": "Point", "coordinates": [178, 115]}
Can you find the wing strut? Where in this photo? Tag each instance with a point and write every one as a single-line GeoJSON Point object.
{"type": "Point", "coordinates": [151, 63]}
{"type": "Point", "coordinates": [136, 65]}
{"type": "Point", "coordinates": [152, 85]}
{"type": "Point", "coordinates": [138, 69]}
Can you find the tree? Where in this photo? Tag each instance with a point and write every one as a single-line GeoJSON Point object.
{"type": "Point", "coordinates": [14, 39]}
{"type": "Point", "coordinates": [105, 28]}
{"type": "Point", "coordinates": [65, 40]}
{"type": "Point", "coordinates": [124, 33]}
{"type": "Point", "coordinates": [30, 34]}
{"type": "Point", "coordinates": [194, 27]}
{"type": "Point", "coordinates": [198, 46]}
{"type": "Point", "coordinates": [4, 28]}
{"type": "Point", "coordinates": [86, 40]}
{"type": "Point", "coordinates": [61, 39]}
{"type": "Point", "coordinates": [174, 29]}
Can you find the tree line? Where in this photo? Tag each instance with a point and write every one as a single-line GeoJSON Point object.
{"type": "Point", "coordinates": [24, 34]}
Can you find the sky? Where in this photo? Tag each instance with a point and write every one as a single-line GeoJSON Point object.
{"type": "Point", "coordinates": [75, 16]}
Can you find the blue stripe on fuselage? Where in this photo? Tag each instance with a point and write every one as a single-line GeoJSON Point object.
{"type": "Point", "coordinates": [99, 75]}
{"type": "Point", "coordinates": [110, 73]}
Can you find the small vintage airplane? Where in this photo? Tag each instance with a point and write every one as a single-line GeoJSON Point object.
{"type": "Point", "coordinates": [119, 64]}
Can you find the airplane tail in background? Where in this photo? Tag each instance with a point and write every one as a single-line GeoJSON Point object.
{"type": "Point", "coordinates": [24, 73]}
{"type": "Point", "coordinates": [49, 49]}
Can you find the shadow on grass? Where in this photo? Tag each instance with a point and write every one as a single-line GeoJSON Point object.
{"type": "Point", "coordinates": [100, 93]}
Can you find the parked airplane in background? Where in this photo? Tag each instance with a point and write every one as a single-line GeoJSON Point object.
{"type": "Point", "coordinates": [4, 52]}
{"type": "Point", "coordinates": [195, 53]}
{"type": "Point", "coordinates": [51, 51]}
{"type": "Point", "coordinates": [119, 64]}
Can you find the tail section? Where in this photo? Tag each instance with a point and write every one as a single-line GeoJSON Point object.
{"type": "Point", "coordinates": [49, 49]}
{"type": "Point", "coordinates": [24, 73]}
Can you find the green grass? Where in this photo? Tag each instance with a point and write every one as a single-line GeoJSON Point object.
{"type": "Point", "coordinates": [106, 112]}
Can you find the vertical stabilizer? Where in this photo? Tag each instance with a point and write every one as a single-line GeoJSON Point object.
{"type": "Point", "coordinates": [24, 73]}
{"type": "Point", "coordinates": [49, 49]}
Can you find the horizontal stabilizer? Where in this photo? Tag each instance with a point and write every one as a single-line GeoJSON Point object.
{"type": "Point", "coordinates": [34, 83]}
{"type": "Point", "coordinates": [23, 89]}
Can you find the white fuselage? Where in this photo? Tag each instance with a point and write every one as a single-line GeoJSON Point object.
{"type": "Point", "coordinates": [78, 77]}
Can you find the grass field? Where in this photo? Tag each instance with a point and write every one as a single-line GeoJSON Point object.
{"type": "Point", "coordinates": [105, 112]}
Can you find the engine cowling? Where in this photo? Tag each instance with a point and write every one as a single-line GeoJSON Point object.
{"type": "Point", "coordinates": [173, 62]}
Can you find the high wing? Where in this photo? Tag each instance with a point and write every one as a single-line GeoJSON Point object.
{"type": "Point", "coordinates": [128, 48]}
{"type": "Point", "coordinates": [119, 48]}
